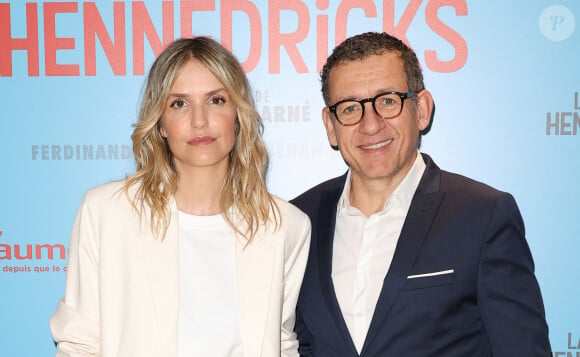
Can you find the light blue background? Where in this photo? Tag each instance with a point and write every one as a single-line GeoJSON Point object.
{"type": "Point", "coordinates": [490, 124]}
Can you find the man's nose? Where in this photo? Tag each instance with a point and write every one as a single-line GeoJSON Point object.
{"type": "Point", "coordinates": [371, 122]}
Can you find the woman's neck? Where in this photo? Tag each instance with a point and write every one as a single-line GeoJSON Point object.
{"type": "Point", "coordinates": [199, 191]}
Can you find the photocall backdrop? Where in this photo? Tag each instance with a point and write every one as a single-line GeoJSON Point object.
{"type": "Point", "coordinates": [504, 75]}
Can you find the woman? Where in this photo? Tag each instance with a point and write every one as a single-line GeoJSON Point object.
{"type": "Point", "coordinates": [189, 256]}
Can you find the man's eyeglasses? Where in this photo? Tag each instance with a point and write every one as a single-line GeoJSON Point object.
{"type": "Point", "coordinates": [388, 105]}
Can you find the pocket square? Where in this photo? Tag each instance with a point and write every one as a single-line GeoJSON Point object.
{"type": "Point", "coordinates": [442, 272]}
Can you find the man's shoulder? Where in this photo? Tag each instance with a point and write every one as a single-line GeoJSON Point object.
{"type": "Point", "coordinates": [449, 181]}
{"type": "Point", "coordinates": [465, 194]}
{"type": "Point", "coordinates": [311, 197]}
{"type": "Point", "coordinates": [456, 183]}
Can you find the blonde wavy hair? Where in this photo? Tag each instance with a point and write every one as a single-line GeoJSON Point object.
{"type": "Point", "coordinates": [156, 176]}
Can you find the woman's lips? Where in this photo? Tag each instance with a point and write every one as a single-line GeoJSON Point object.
{"type": "Point", "coordinates": [201, 141]}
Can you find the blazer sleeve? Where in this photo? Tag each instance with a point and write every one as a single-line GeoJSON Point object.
{"type": "Point", "coordinates": [296, 254]}
{"type": "Point", "coordinates": [75, 323]}
{"type": "Point", "coordinates": [304, 337]}
{"type": "Point", "coordinates": [509, 297]}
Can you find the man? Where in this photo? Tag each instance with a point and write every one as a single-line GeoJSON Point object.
{"type": "Point", "coordinates": [407, 259]}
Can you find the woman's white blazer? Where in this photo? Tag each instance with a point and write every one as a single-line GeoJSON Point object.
{"type": "Point", "coordinates": [122, 287]}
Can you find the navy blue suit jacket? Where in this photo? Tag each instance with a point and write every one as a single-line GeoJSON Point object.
{"type": "Point", "coordinates": [489, 306]}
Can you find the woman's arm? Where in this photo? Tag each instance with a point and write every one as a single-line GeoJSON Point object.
{"type": "Point", "coordinates": [75, 323]}
{"type": "Point", "coordinates": [296, 255]}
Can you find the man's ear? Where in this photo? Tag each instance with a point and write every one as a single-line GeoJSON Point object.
{"type": "Point", "coordinates": [424, 108]}
{"type": "Point", "coordinates": [329, 125]}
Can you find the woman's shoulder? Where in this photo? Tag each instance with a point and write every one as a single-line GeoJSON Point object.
{"type": "Point", "coordinates": [288, 209]}
{"type": "Point", "coordinates": [107, 187]}
{"type": "Point", "coordinates": [107, 193]}
{"type": "Point", "coordinates": [294, 225]}
{"type": "Point", "coordinates": [292, 219]}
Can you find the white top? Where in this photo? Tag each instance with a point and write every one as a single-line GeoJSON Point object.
{"type": "Point", "coordinates": [209, 311]}
{"type": "Point", "coordinates": [363, 250]}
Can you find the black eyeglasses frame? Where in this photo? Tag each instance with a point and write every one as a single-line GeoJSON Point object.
{"type": "Point", "coordinates": [403, 96]}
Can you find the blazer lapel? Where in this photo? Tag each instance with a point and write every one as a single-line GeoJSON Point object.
{"type": "Point", "coordinates": [255, 265]}
{"type": "Point", "coordinates": [423, 209]}
{"type": "Point", "coordinates": [325, 233]}
{"type": "Point", "coordinates": [162, 268]}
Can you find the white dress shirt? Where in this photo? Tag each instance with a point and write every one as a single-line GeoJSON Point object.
{"type": "Point", "coordinates": [363, 249]}
{"type": "Point", "coordinates": [209, 311]}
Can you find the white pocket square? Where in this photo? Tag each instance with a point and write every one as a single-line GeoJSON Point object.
{"type": "Point", "coordinates": [442, 272]}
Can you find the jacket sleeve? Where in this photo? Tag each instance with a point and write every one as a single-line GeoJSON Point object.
{"type": "Point", "coordinates": [75, 323]}
{"type": "Point", "coordinates": [296, 254]}
{"type": "Point", "coordinates": [509, 297]}
{"type": "Point", "coordinates": [304, 348]}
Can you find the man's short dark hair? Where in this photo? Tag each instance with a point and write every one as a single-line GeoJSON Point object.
{"type": "Point", "coordinates": [368, 44]}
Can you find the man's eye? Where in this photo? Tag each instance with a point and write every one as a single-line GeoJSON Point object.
{"type": "Point", "coordinates": [178, 103]}
{"type": "Point", "coordinates": [350, 108]}
{"type": "Point", "coordinates": [387, 101]}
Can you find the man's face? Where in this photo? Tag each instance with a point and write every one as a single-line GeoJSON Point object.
{"type": "Point", "coordinates": [376, 149]}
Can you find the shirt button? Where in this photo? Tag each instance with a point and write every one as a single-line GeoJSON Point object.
{"type": "Point", "coordinates": [358, 315]}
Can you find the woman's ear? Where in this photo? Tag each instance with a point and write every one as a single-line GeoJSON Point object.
{"type": "Point", "coordinates": [161, 129]}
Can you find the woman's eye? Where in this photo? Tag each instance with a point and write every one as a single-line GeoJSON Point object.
{"type": "Point", "coordinates": [178, 103]}
{"type": "Point", "coordinates": [217, 100]}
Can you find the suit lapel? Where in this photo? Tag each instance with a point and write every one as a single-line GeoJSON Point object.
{"type": "Point", "coordinates": [255, 265]}
{"type": "Point", "coordinates": [423, 209]}
{"type": "Point", "coordinates": [325, 233]}
{"type": "Point", "coordinates": [162, 267]}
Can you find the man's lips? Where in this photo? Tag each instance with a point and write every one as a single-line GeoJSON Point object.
{"type": "Point", "coordinates": [201, 140]}
{"type": "Point", "coordinates": [376, 145]}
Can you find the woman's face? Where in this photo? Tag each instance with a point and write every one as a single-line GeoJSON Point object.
{"type": "Point", "coordinates": [199, 120]}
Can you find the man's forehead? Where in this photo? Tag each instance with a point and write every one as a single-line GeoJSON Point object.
{"type": "Point", "coordinates": [387, 60]}
{"type": "Point", "coordinates": [377, 70]}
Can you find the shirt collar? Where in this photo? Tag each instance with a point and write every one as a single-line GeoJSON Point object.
{"type": "Point", "coordinates": [401, 197]}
